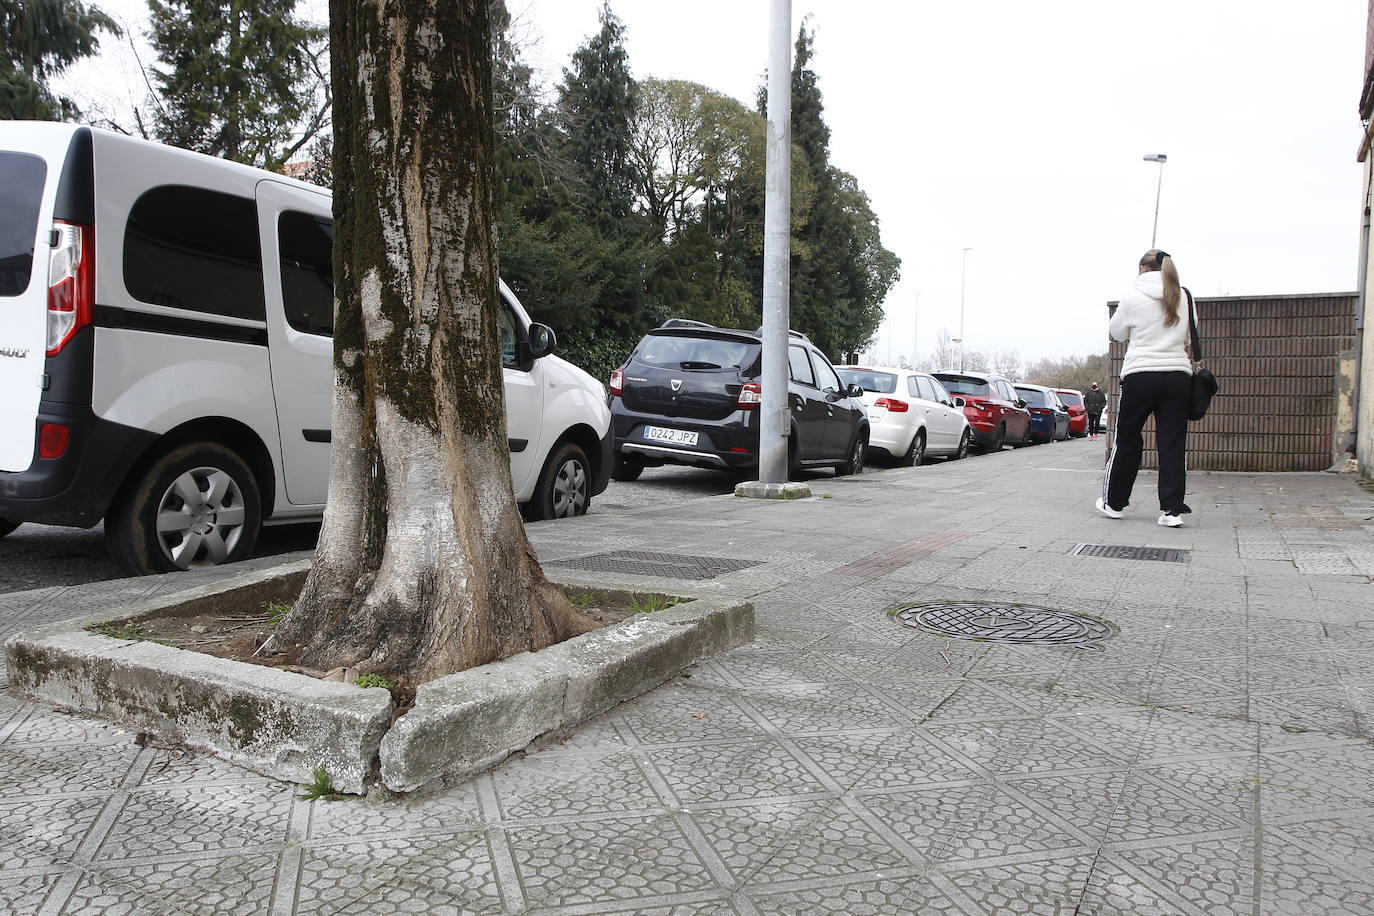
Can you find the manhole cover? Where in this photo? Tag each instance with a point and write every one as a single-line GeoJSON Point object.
{"type": "Point", "coordinates": [1008, 623]}
{"type": "Point", "coordinates": [663, 565]}
{"type": "Point", "coordinates": [1117, 552]}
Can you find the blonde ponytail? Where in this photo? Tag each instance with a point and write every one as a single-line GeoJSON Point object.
{"type": "Point", "coordinates": [1154, 259]}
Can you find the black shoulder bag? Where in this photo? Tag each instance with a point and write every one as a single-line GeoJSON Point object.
{"type": "Point", "coordinates": [1204, 386]}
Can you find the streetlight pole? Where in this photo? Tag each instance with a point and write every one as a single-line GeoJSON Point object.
{"type": "Point", "coordinates": [777, 227]}
{"type": "Point", "coordinates": [963, 282]}
{"type": "Point", "coordinates": [1161, 159]}
{"type": "Point", "coordinates": [915, 338]}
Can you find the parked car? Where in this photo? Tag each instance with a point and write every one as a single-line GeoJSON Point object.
{"type": "Point", "coordinates": [1049, 420]}
{"type": "Point", "coordinates": [910, 415]}
{"type": "Point", "coordinates": [178, 309]}
{"type": "Point", "coordinates": [690, 392]}
{"type": "Point", "coordinates": [995, 413]}
{"type": "Point", "coordinates": [1072, 400]}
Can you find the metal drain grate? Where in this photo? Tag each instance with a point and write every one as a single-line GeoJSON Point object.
{"type": "Point", "coordinates": [1008, 623]}
{"type": "Point", "coordinates": [663, 565]}
{"type": "Point", "coordinates": [1115, 552]}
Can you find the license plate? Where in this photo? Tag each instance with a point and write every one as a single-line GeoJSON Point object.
{"type": "Point", "coordinates": [675, 436]}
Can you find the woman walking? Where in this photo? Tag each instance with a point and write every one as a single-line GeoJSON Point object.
{"type": "Point", "coordinates": [1156, 378]}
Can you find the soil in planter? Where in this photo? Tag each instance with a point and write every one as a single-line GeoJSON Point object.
{"type": "Point", "coordinates": [236, 626]}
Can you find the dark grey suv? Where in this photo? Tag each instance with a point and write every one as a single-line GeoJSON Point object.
{"type": "Point", "coordinates": [690, 394]}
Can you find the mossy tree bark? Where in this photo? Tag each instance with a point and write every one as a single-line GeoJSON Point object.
{"type": "Point", "coordinates": [423, 567]}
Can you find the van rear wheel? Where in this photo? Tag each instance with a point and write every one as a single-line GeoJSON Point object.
{"type": "Point", "coordinates": [198, 505]}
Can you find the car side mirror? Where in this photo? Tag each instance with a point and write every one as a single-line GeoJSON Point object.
{"type": "Point", "coordinates": [854, 391]}
{"type": "Point", "coordinates": [1020, 403]}
{"type": "Point", "coordinates": [959, 402]}
{"type": "Point", "coordinates": [542, 340]}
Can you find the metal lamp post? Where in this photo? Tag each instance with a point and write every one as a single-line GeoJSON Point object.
{"type": "Point", "coordinates": [773, 420]}
{"type": "Point", "coordinates": [1161, 159]}
{"type": "Point", "coordinates": [963, 282]}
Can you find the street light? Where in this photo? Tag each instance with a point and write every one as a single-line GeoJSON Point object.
{"type": "Point", "coordinates": [1161, 159]}
{"type": "Point", "coordinates": [915, 338]}
{"type": "Point", "coordinates": [963, 281]}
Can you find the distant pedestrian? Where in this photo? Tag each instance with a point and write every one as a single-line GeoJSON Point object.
{"type": "Point", "coordinates": [1156, 378]}
{"type": "Point", "coordinates": [1094, 402]}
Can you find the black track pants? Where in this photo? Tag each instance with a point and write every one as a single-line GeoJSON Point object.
{"type": "Point", "coordinates": [1164, 394]}
{"type": "Point", "coordinates": [1094, 422]}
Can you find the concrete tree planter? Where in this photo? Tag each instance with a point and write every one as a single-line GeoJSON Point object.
{"type": "Point", "coordinates": [286, 725]}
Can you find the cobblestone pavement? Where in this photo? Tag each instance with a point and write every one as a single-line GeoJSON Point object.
{"type": "Point", "coordinates": [1212, 758]}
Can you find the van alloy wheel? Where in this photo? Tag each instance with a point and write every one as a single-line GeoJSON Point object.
{"type": "Point", "coordinates": [200, 518]}
{"type": "Point", "coordinates": [196, 505]}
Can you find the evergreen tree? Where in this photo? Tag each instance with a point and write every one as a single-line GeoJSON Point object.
{"type": "Point", "coordinates": [237, 78]}
{"type": "Point", "coordinates": [38, 40]}
{"type": "Point", "coordinates": [597, 103]}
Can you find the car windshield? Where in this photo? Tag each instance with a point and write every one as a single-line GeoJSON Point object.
{"type": "Point", "coordinates": [1070, 399]}
{"type": "Point", "coordinates": [1033, 397]}
{"type": "Point", "coordinates": [693, 352]}
{"type": "Point", "coordinates": [877, 382]}
{"type": "Point", "coordinates": [963, 384]}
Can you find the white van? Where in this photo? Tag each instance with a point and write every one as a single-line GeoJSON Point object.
{"type": "Point", "coordinates": [166, 353]}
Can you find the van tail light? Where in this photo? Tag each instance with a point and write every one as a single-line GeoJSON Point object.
{"type": "Point", "coordinates": [750, 396]}
{"type": "Point", "coordinates": [617, 385]}
{"type": "Point", "coordinates": [892, 404]}
{"type": "Point", "coordinates": [71, 283]}
{"type": "Point", "coordinates": [52, 440]}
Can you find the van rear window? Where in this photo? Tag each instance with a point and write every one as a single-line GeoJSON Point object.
{"type": "Point", "coordinates": [189, 248]}
{"type": "Point", "coordinates": [21, 191]}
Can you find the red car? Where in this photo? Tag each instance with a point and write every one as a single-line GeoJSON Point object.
{"type": "Point", "coordinates": [1078, 414]}
{"type": "Point", "coordinates": [995, 413]}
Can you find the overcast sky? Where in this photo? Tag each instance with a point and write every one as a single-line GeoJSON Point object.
{"type": "Point", "coordinates": [1017, 129]}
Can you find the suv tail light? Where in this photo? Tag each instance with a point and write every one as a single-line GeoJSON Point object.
{"type": "Point", "coordinates": [71, 283]}
{"type": "Point", "coordinates": [750, 396]}
{"type": "Point", "coordinates": [617, 385]}
{"type": "Point", "coordinates": [892, 404]}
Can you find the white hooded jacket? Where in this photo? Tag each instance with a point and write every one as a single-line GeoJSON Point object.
{"type": "Point", "coordinates": [1139, 319]}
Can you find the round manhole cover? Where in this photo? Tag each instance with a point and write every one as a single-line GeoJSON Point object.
{"type": "Point", "coordinates": [1008, 623]}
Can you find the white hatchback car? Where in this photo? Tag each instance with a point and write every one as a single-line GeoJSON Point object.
{"type": "Point", "coordinates": [910, 414]}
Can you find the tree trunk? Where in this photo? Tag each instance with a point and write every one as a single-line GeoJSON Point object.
{"type": "Point", "coordinates": [423, 567]}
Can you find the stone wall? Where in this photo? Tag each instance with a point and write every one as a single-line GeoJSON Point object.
{"type": "Point", "coordinates": [1279, 362]}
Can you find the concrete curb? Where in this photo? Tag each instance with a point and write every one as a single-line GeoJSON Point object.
{"type": "Point", "coordinates": [469, 721]}
{"type": "Point", "coordinates": [286, 725]}
{"type": "Point", "coordinates": [275, 722]}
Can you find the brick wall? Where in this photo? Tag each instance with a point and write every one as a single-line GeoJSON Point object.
{"type": "Point", "coordinates": [1276, 359]}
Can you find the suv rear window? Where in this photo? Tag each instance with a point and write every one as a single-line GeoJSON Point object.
{"type": "Point", "coordinates": [189, 248]}
{"type": "Point", "coordinates": [1033, 397]}
{"type": "Point", "coordinates": [21, 191]}
{"type": "Point", "coordinates": [877, 382]}
{"type": "Point", "coordinates": [693, 352]}
{"type": "Point", "coordinates": [1071, 400]}
{"type": "Point", "coordinates": [963, 384]}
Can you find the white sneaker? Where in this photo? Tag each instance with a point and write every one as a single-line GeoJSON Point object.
{"type": "Point", "coordinates": [1170, 521]}
{"type": "Point", "coordinates": [1109, 511]}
